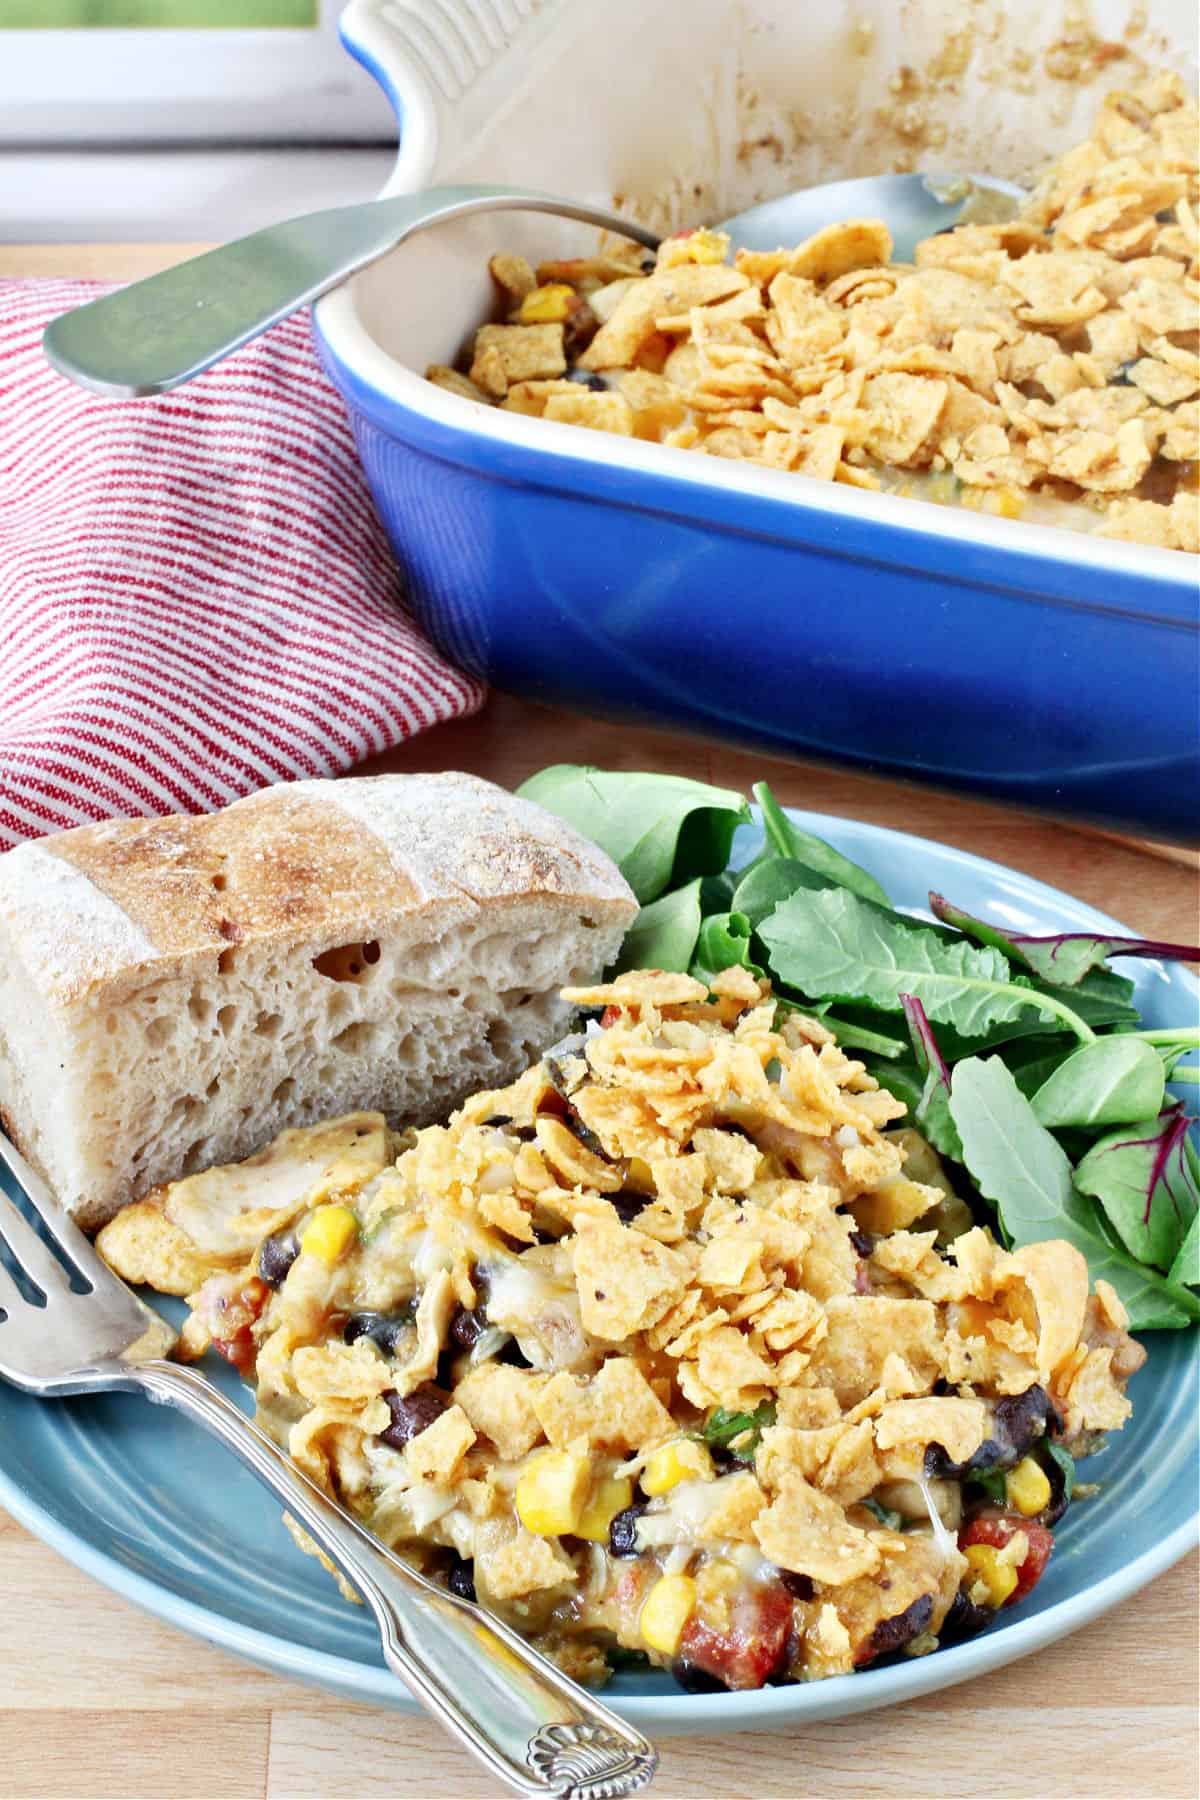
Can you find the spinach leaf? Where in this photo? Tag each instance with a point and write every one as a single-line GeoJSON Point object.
{"type": "Point", "coordinates": [993, 1483]}
{"type": "Point", "coordinates": [933, 1108]}
{"type": "Point", "coordinates": [853, 1036]}
{"type": "Point", "coordinates": [1063, 959]}
{"type": "Point", "coordinates": [787, 840]}
{"type": "Point", "coordinates": [1107, 1003]}
{"type": "Point", "coordinates": [889, 1519]}
{"type": "Point", "coordinates": [1030, 1076]}
{"type": "Point", "coordinates": [1143, 1180]}
{"type": "Point", "coordinates": [1065, 1461]}
{"type": "Point", "coordinates": [764, 884]}
{"type": "Point", "coordinates": [660, 830]}
{"type": "Point", "coordinates": [1185, 1270]}
{"type": "Point", "coordinates": [663, 936]}
{"type": "Point", "coordinates": [721, 1427]}
{"type": "Point", "coordinates": [1101, 998]}
{"type": "Point", "coordinates": [723, 942]}
{"type": "Point", "coordinates": [1017, 1165]}
{"type": "Point", "coordinates": [716, 892]}
{"type": "Point", "coordinates": [1108, 1082]}
{"type": "Point", "coordinates": [832, 943]}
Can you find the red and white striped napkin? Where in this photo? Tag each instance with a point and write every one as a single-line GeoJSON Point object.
{"type": "Point", "coordinates": [196, 596]}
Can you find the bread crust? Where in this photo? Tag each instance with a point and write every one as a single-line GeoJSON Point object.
{"type": "Point", "coordinates": [294, 861]}
{"type": "Point", "coordinates": [175, 991]}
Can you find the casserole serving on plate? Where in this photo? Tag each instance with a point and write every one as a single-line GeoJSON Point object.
{"type": "Point", "coordinates": [1020, 661]}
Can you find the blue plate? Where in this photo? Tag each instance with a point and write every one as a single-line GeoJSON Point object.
{"type": "Point", "coordinates": [148, 1505]}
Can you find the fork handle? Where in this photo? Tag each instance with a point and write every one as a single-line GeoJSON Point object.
{"type": "Point", "coordinates": [527, 1722]}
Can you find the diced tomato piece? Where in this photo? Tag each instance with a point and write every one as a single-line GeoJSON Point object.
{"type": "Point", "coordinates": [237, 1315]}
{"type": "Point", "coordinates": [996, 1529]}
{"type": "Point", "coordinates": [753, 1649]}
{"type": "Point", "coordinates": [609, 1016]}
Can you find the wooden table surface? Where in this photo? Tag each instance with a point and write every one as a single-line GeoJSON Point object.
{"type": "Point", "coordinates": [101, 1702]}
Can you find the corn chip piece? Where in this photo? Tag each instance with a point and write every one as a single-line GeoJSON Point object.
{"type": "Point", "coordinates": [609, 411]}
{"type": "Point", "coordinates": [863, 1330]}
{"type": "Point", "coordinates": [836, 249]}
{"type": "Point", "coordinates": [513, 275]}
{"type": "Point", "coordinates": [144, 1247]}
{"type": "Point", "coordinates": [455, 383]}
{"type": "Point", "coordinates": [667, 292]}
{"type": "Point", "coordinates": [807, 1532]}
{"type": "Point", "coordinates": [506, 354]}
{"type": "Point", "coordinates": [524, 1565]}
{"type": "Point", "coordinates": [436, 1454]}
{"type": "Point", "coordinates": [737, 1502]}
{"type": "Point", "coordinates": [499, 1402]}
{"type": "Point", "coordinates": [626, 1281]}
{"type": "Point", "coordinates": [958, 1426]}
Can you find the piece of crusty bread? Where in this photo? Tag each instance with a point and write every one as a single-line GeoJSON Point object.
{"type": "Point", "coordinates": [175, 991]}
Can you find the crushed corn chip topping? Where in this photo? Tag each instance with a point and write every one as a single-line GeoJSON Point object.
{"type": "Point", "coordinates": [661, 1342]}
{"type": "Point", "coordinates": [1044, 368]}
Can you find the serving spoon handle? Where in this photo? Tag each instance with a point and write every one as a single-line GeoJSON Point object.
{"type": "Point", "coordinates": [158, 333]}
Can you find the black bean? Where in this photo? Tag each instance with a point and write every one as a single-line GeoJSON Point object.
{"type": "Point", "coordinates": [411, 1415]}
{"type": "Point", "coordinates": [800, 1587]}
{"type": "Point", "coordinates": [940, 1467]}
{"type": "Point", "coordinates": [629, 1204]}
{"type": "Point", "coordinates": [1018, 1421]}
{"type": "Point", "coordinates": [460, 1579]}
{"type": "Point", "coordinates": [862, 1243]}
{"type": "Point", "coordinates": [466, 1328]}
{"type": "Point", "coordinates": [891, 1635]}
{"type": "Point", "coordinates": [622, 1533]}
{"type": "Point", "coordinates": [1057, 1477]}
{"type": "Point", "coordinates": [964, 1620]}
{"type": "Point", "coordinates": [276, 1255]}
{"type": "Point", "coordinates": [383, 1329]}
{"type": "Point", "coordinates": [649, 264]}
{"type": "Point", "coordinates": [694, 1680]}
{"type": "Point", "coordinates": [1024, 1418]}
{"type": "Point", "coordinates": [499, 1119]}
{"type": "Point", "coordinates": [586, 1135]}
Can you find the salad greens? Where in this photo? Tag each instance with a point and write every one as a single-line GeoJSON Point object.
{"type": "Point", "coordinates": [832, 943]}
{"type": "Point", "coordinates": [1021, 1059]}
{"type": "Point", "coordinates": [1064, 959]}
{"type": "Point", "coordinates": [660, 830]}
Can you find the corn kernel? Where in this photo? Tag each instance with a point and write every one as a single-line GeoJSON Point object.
{"type": "Point", "coordinates": [329, 1233]}
{"type": "Point", "coordinates": [546, 305]}
{"type": "Point", "coordinates": [1027, 1487]}
{"type": "Point", "coordinates": [994, 1580]}
{"type": "Point", "coordinates": [611, 1496]}
{"type": "Point", "coordinates": [666, 1467]}
{"type": "Point", "coordinates": [666, 1611]}
{"type": "Point", "coordinates": [550, 1493]}
{"type": "Point", "coordinates": [701, 246]}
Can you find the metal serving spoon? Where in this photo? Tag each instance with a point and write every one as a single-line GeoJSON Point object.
{"type": "Point", "coordinates": [156, 334]}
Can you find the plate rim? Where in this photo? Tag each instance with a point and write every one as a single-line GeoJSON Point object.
{"type": "Point", "coordinates": [668, 1713]}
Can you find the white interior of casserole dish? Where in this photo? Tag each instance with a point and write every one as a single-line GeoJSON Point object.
{"type": "Point", "coordinates": [680, 123]}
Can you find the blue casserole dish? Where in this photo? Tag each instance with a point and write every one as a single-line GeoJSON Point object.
{"type": "Point", "coordinates": [1019, 662]}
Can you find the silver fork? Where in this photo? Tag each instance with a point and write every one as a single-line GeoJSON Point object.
{"type": "Point", "coordinates": [527, 1722]}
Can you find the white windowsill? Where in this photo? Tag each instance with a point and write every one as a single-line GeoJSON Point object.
{"type": "Point", "coordinates": [98, 196]}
